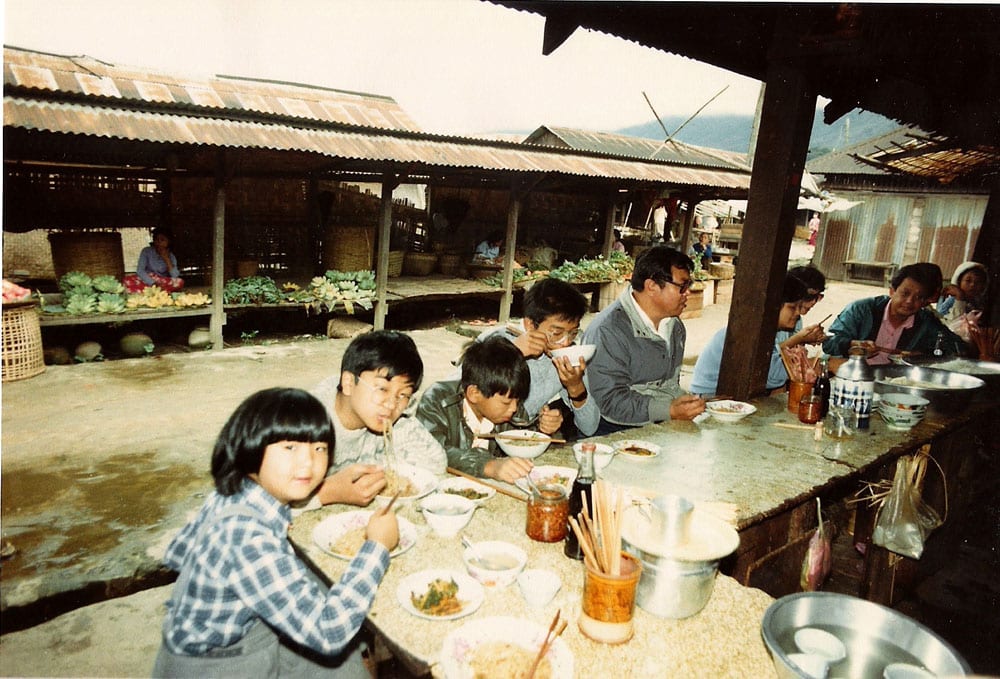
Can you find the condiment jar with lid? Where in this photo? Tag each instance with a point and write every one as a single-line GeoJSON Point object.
{"type": "Point", "coordinates": [548, 514]}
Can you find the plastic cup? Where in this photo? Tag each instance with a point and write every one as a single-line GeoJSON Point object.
{"type": "Point", "coordinates": [609, 602]}
{"type": "Point", "coordinates": [796, 392]}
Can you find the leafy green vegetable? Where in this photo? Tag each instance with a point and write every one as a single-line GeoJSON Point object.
{"type": "Point", "coordinates": [108, 284]}
{"type": "Point", "coordinates": [75, 279]}
{"type": "Point", "coordinates": [110, 303]}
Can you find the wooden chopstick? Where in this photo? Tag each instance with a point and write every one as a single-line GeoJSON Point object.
{"type": "Point", "coordinates": [392, 502]}
{"type": "Point", "coordinates": [516, 438]}
{"type": "Point", "coordinates": [825, 319]}
{"type": "Point", "coordinates": [452, 470]}
{"type": "Point", "coordinates": [550, 636]}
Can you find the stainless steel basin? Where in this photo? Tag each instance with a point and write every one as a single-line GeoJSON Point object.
{"type": "Point", "coordinates": [874, 636]}
{"type": "Point", "coordinates": [947, 391]}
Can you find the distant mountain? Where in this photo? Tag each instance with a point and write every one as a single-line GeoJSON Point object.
{"type": "Point", "coordinates": [732, 132]}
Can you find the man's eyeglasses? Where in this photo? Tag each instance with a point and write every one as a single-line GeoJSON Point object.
{"type": "Point", "coordinates": [561, 336]}
{"type": "Point", "coordinates": [380, 394]}
{"type": "Point", "coordinates": [682, 287]}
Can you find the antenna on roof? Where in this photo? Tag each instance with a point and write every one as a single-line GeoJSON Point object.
{"type": "Point", "coordinates": [671, 135]}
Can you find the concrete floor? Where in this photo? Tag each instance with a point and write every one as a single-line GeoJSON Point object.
{"type": "Point", "coordinates": [103, 463]}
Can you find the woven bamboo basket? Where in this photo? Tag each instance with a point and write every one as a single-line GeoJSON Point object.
{"type": "Point", "coordinates": [396, 262]}
{"type": "Point", "coordinates": [419, 263]}
{"type": "Point", "coordinates": [451, 265]}
{"type": "Point", "coordinates": [22, 343]}
{"type": "Point", "coordinates": [95, 253]}
{"type": "Point", "coordinates": [721, 270]}
{"type": "Point", "coordinates": [349, 248]}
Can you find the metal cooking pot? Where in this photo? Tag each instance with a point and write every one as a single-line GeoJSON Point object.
{"type": "Point", "coordinates": [672, 588]}
{"type": "Point", "coordinates": [951, 391]}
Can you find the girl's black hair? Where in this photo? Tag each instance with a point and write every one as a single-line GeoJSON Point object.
{"type": "Point", "coordinates": [496, 366]}
{"type": "Point", "coordinates": [266, 417]}
{"type": "Point", "coordinates": [793, 290]}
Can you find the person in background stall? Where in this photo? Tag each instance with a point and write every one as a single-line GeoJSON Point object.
{"type": "Point", "coordinates": [962, 302]}
{"type": "Point", "coordinates": [794, 294]}
{"type": "Point", "coordinates": [898, 321]}
{"type": "Point", "coordinates": [157, 265]}
{"type": "Point", "coordinates": [635, 373]}
{"type": "Point", "coordinates": [618, 245]}
{"type": "Point", "coordinates": [495, 378]}
{"type": "Point", "coordinates": [702, 250]}
{"type": "Point", "coordinates": [489, 249]}
{"type": "Point", "coordinates": [552, 313]}
{"type": "Point", "coordinates": [244, 604]}
{"type": "Point", "coordinates": [379, 373]}
{"type": "Point", "coordinates": [813, 229]}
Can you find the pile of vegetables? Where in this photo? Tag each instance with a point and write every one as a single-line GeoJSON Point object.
{"type": "Point", "coordinates": [616, 268]}
{"type": "Point", "coordinates": [83, 294]}
{"type": "Point", "coordinates": [324, 293]}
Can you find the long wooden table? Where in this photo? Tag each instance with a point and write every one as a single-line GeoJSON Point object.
{"type": "Point", "coordinates": [771, 471]}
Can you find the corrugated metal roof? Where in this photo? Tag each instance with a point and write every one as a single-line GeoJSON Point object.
{"type": "Point", "coordinates": [26, 70]}
{"type": "Point", "coordinates": [643, 149]}
{"type": "Point", "coordinates": [418, 148]}
{"type": "Point", "coordinates": [844, 162]}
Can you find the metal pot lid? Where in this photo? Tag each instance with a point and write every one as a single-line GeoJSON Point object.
{"type": "Point", "coordinates": [709, 538]}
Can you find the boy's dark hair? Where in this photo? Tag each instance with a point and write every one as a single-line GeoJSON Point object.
{"type": "Point", "coordinates": [495, 366]}
{"type": "Point", "coordinates": [793, 290]}
{"type": "Point", "coordinates": [656, 263]}
{"type": "Point", "coordinates": [269, 416]}
{"type": "Point", "coordinates": [811, 276]}
{"type": "Point", "coordinates": [553, 297]}
{"type": "Point", "coordinates": [925, 274]}
{"type": "Point", "coordinates": [388, 350]}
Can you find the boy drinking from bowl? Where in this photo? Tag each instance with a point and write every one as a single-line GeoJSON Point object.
{"type": "Point", "coordinates": [552, 313]}
{"type": "Point", "coordinates": [495, 377]}
{"type": "Point", "coordinates": [379, 374]}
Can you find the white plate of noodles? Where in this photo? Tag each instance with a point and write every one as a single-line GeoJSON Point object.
{"type": "Point", "coordinates": [502, 647]}
{"type": "Point", "coordinates": [342, 535]}
{"type": "Point", "coordinates": [414, 482]}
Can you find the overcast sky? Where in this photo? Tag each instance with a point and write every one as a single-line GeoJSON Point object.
{"type": "Point", "coordinates": [456, 66]}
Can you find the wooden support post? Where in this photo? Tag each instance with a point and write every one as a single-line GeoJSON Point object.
{"type": "Point", "coordinates": [786, 121]}
{"type": "Point", "coordinates": [389, 184]}
{"type": "Point", "coordinates": [218, 318]}
{"type": "Point", "coordinates": [988, 253]}
{"type": "Point", "coordinates": [609, 224]}
{"type": "Point", "coordinates": [688, 223]}
{"type": "Point", "coordinates": [513, 210]}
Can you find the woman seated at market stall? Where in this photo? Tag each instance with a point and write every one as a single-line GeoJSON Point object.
{"type": "Point", "coordinates": [702, 250]}
{"type": "Point", "coordinates": [794, 294]}
{"type": "Point", "coordinates": [157, 265]}
{"type": "Point", "coordinates": [489, 249]}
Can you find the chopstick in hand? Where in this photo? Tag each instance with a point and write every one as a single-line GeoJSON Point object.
{"type": "Point", "coordinates": [550, 636]}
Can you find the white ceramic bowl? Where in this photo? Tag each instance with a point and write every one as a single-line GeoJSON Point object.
{"type": "Point", "coordinates": [729, 411]}
{"type": "Point", "coordinates": [575, 352]}
{"type": "Point", "coordinates": [494, 563]}
{"type": "Point", "coordinates": [523, 442]}
{"type": "Point", "coordinates": [904, 402]}
{"type": "Point", "coordinates": [538, 586]}
{"type": "Point", "coordinates": [820, 642]}
{"type": "Point", "coordinates": [447, 514]}
{"type": "Point", "coordinates": [423, 483]}
{"type": "Point", "coordinates": [602, 455]}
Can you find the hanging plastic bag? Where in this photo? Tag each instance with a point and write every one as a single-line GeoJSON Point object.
{"type": "Point", "coordinates": [905, 520]}
{"type": "Point", "coordinates": [816, 566]}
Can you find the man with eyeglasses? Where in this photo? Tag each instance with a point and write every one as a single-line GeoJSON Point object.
{"type": "Point", "coordinates": [379, 374]}
{"type": "Point", "coordinates": [897, 321]}
{"type": "Point", "coordinates": [635, 374]}
{"type": "Point", "coordinates": [552, 313]}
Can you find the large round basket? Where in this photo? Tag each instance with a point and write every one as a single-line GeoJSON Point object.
{"type": "Point", "coordinates": [722, 270]}
{"type": "Point", "coordinates": [395, 263]}
{"type": "Point", "coordinates": [349, 248]}
{"type": "Point", "coordinates": [452, 265]}
{"type": "Point", "coordinates": [419, 263]}
{"type": "Point", "coordinates": [22, 342]}
{"type": "Point", "coordinates": [94, 253]}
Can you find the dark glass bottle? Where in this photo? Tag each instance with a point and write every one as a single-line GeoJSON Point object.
{"type": "Point", "coordinates": [821, 387]}
{"type": "Point", "coordinates": [584, 483]}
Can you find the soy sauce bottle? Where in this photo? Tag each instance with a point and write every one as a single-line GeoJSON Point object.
{"type": "Point", "coordinates": [584, 483]}
{"type": "Point", "coordinates": [821, 387]}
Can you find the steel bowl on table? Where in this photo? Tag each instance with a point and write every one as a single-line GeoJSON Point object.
{"type": "Point", "coordinates": [946, 391]}
{"type": "Point", "coordinates": [873, 636]}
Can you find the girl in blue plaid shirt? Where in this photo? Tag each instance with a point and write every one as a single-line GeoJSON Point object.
{"type": "Point", "coordinates": [244, 604]}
